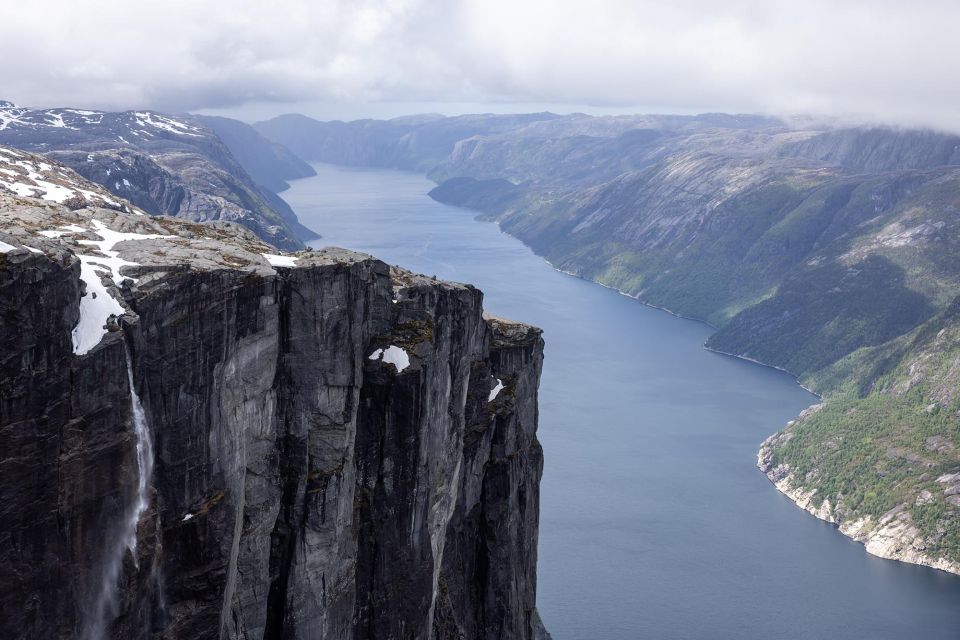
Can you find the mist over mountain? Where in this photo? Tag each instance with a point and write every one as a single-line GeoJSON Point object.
{"type": "Point", "coordinates": [873, 61]}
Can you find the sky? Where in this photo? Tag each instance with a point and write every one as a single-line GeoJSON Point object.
{"type": "Point", "coordinates": [871, 60]}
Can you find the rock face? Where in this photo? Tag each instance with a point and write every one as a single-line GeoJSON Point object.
{"type": "Point", "coordinates": [163, 164]}
{"type": "Point", "coordinates": [330, 458]}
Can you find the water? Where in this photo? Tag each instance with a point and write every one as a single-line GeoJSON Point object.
{"type": "Point", "coordinates": [655, 522]}
{"type": "Point", "coordinates": [124, 537]}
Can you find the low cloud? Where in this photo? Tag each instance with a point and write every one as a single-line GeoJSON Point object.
{"type": "Point", "coordinates": [866, 59]}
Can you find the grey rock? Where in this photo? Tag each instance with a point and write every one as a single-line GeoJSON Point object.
{"type": "Point", "coordinates": [301, 489]}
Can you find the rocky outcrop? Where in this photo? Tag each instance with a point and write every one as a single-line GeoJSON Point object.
{"type": "Point", "coordinates": [342, 449]}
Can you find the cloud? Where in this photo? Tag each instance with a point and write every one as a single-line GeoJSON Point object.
{"type": "Point", "coordinates": [875, 59]}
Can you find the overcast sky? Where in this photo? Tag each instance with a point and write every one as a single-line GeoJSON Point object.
{"type": "Point", "coordinates": [886, 60]}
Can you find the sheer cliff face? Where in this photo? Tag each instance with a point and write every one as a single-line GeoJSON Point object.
{"type": "Point", "coordinates": [342, 450]}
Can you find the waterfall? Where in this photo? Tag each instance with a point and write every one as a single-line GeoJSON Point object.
{"type": "Point", "coordinates": [144, 459]}
{"type": "Point", "coordinates": [125, 536]}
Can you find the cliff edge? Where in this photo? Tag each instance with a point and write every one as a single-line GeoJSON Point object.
{"type": "Point", "coordinates": [204, 439]}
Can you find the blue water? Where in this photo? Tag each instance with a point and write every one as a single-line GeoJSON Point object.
{"type": "Point", "coordinates": [655, 522]}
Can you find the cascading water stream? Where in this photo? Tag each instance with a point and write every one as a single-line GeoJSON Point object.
{"type": "Point", "coordinates": [125, 536]}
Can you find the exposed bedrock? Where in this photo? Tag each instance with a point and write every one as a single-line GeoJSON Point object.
{"type": "Point", "coordinates": [331, 458]}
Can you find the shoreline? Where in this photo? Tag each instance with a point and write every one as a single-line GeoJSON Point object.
{"type": "Point", "coordinates": [893, 536]}
{"type": "Point", "coordinates": [795, 377]}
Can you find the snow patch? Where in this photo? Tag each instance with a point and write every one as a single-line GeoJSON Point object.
{"type": "Point", "coordinates": [6, 248]}
{"type": "Point", "coordinates": [280, 261]}
{"type": "Point", "coordinates": [496, 390]}
{"type": "Point", "coordinates": [147, 119]}
{"type": "Point", "coordinates": [392, 355]}
{"type": "Point", "coordinates": [55, 120]}
{"type": "Point", "coordinates": [34, 181]}
{"type": "Point", "coordinates": [98, 305]}
{"type": "Point", "coordinates": [56, 233]}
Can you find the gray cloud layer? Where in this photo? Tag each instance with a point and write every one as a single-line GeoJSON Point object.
{"type": "Point", "coordinates": [876, 59]}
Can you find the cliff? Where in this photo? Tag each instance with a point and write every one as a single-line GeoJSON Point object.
{"type": "Point", "coordinates": [203, 439]}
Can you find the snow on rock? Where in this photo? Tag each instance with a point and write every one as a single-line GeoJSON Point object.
{"type": "Point", "coordinates": [12, 117]}
{"type": "Point", "coordinates": [147, 119]}
{"type": "Point", "coordinates": [55, 119]}
{"type": "Point", "coordinates": [97, 305]}
{"type": "Point", "coordinates": [32, 179]}
{"type": "Point", "coordinates": [6, 248]}
{"type": "Point", "coordinates": [280, 261]}
{"type": "Point", "coordinates": [62, 231]}
{"type": "Point", "coordinates": [496, 390]}
{"type": "Point", "coordinates": [187, 517]}
{"type": "Point", "coordinates": [113, 262]}
{"type": "Point", "coordinates": [392, 355]}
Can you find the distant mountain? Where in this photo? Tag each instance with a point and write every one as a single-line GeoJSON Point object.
{"type": "Point", "coordinates": [832, 253]}
{"type": "Point", "coordinates": [163, 164]}
{"type": "Point", "coordinates": [413, 142]}
{"type": "Point", "coordinates": [270, 164]}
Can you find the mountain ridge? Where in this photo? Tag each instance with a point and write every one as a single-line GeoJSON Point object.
{"type": "Point", "coordinates": [164, 164]}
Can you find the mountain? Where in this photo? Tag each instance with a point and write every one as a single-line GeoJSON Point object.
{"type": "Point", "coordinates": [163, 164]}
{"type": "Point", "coordinates": [414, 142]}
{"type": "Point", "coordinates": [268, 163]}
{"type": "Point", "coordinates": [203, 438]}
{"type": "Point", "coordinates": [825, 251]}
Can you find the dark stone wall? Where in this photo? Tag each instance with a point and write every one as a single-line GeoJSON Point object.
{"type": "Point", "coordinates": [301, 490]}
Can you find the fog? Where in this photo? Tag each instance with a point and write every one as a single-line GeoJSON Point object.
{"type": "Point", "coordinates": [875, 60]}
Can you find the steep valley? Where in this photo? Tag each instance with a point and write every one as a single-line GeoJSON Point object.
{"type": "Point", "coordinates": [828, 252]}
